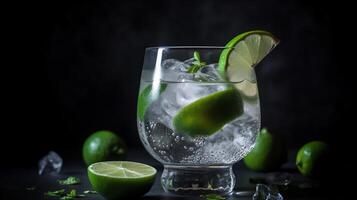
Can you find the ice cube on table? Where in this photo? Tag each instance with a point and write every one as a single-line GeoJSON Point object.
{"type": "Point", "coordinates": [265, 192]}
{"type": "Point", "coordinates": [52, 162]}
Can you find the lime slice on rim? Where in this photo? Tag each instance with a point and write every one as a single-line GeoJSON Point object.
{"type": "Point", "coordinates": [209, 114]}
{"type": "Point", "coordinates": [243, 53]}
{"type": "Point", "coordinates": [120, 179]}
{"type": "Point", "coordinates": [248, 90]}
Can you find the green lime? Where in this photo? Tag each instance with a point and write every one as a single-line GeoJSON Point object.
{"type": "Point", "coordinates": [147, 96]}
{"type": "Point", "coordinates": [268, 154]}
{"type": "Point", "coordinates": [244, 52]}
{"type": "Point", "coordinates": [102, 146]}
{"type": "Point", "coordinates": [311, 159]}
{"type": "Point", "coordinates": [121, 179]}
{"type": "Point", "coordinates": [209, 114]}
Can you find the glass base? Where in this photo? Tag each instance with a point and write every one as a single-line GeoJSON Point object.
{"type": "Point", "coordinates": [197, 180]}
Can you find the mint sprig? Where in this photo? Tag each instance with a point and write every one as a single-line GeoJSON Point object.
{"type": "Point", "coordinates": [213, 197]}
{"type": "Point", "coordinates": [56, 193]}
{"type": "Point", "coordinates": [89, 192]}
{"type": "Point", "coordinates": [69, 181]}
{"type": "Point", "coordinates": [197, 64]}
{"type": "Point", "coordinates": [72, 194]}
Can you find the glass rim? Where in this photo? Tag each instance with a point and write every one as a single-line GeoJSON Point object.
{"type": "Point", "coordinates": [188, 47]}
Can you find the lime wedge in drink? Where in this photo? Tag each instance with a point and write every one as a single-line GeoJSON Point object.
{"type": "Point", "coordinates": [147, 96]}
{"type": "Point", "coordinates": [207, 115]}
{"type": "Point", "coordinates": [243, 53]}
{"type": "Point", "coordinates": [121, 179]}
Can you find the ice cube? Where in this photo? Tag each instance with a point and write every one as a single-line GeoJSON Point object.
{"type": "Point", "coordinates": [52, 162]}
{"type": "Point", "coordinates": [175, 71]}
{"type": "Point", "coordinates": [174, 65]}
{"type": "Point", "coordinates": [208, 73]}
{"type": "Point", "coordinates": [265, 192]}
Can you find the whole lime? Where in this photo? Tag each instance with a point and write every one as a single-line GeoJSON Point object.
{"type": "Point", "coordinates": [311, 159]}
{"type": "Point", "coordinates": [268, 154]}
{"type": "Point", "coordinates": [102, 146]}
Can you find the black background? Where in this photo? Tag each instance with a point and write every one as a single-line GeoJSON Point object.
{"type": "Point", "coordinates": [75, 67]}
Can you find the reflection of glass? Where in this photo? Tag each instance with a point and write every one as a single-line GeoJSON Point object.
{"type": "Point", "coordinates": [218, 131]}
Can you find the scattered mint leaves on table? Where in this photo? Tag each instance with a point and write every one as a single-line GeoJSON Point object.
{"type": "Point", "coordinates": [69, 181]}
{"type": "Point", "coordinates": [213, 197]}
{"type": "Point", "coordinates": [72, 194]}
{"type": "Point", "coordinates": [90, 192]}
{"type": "Point", "coordinates": [56, 193]}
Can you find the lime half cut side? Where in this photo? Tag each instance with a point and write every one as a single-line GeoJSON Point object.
{"type": "Point", "coordinates": [121, 179]}
{"type": "Point", "coordinates": [243, 53]}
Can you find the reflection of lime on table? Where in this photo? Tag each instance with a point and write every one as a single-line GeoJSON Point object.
{"type": "Point", "coordinates": [121, 179]}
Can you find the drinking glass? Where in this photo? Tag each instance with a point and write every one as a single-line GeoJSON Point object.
{"type": "Point", "coordinates": [193, 120]}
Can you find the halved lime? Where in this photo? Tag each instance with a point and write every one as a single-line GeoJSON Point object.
{"type": "Point", "coordinates": [207, 115]}
{"type": "Point", "coordinates": [147, 96]}
{"type": "Point", "coordinates": [121, 179]}
{"type": "Point", "coordinates": [244, 52]}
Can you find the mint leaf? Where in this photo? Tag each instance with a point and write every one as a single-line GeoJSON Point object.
{"type": "Point", "coordinates": [72, 193]}
{"type": "Point", "coordinates": [69, 181]}
{"type": "Point", "coordinates": [90, 192]}
{"type": "Point", "coordinates": [66, 198]}
{"type": "Point", "coordinates": [213, 197]}
{"type": "Point", "coordinates": [197, 64]}
{"type": "Point", "coordinates": [56, 193]}
{"type": "Point", "coordinates": [197, 56]}
{"type": "Point", "coordinates": [193, 69]}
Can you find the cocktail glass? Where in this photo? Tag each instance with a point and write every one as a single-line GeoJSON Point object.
{"type": "Point", "coordinates": [194, 121]}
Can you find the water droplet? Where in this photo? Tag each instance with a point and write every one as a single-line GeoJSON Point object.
{"type": "Point", "coordinates": [184, 147]}
{"type": "Point", "coordinates": [182, 138]}
{"type": "Point", "coordinates": [177, 138]}
{"type": "Point", "coordinates": [191, 148]}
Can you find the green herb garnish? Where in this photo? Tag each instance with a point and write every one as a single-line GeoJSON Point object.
{"type": "Point", "coordinates": [64, 196]}
{"type": "Point", "coordinates": [56, 193]}
{"type": "Point", "coordinates": [197, 64]}
{"type": "Point", "coordinates": [213, 197]}
{"type": "Point", "coordinates": [69, 181]}
{"type": "Point", "coordinates": [71, 195]}
{"type": "Point", "coordinates": [90, 192]}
